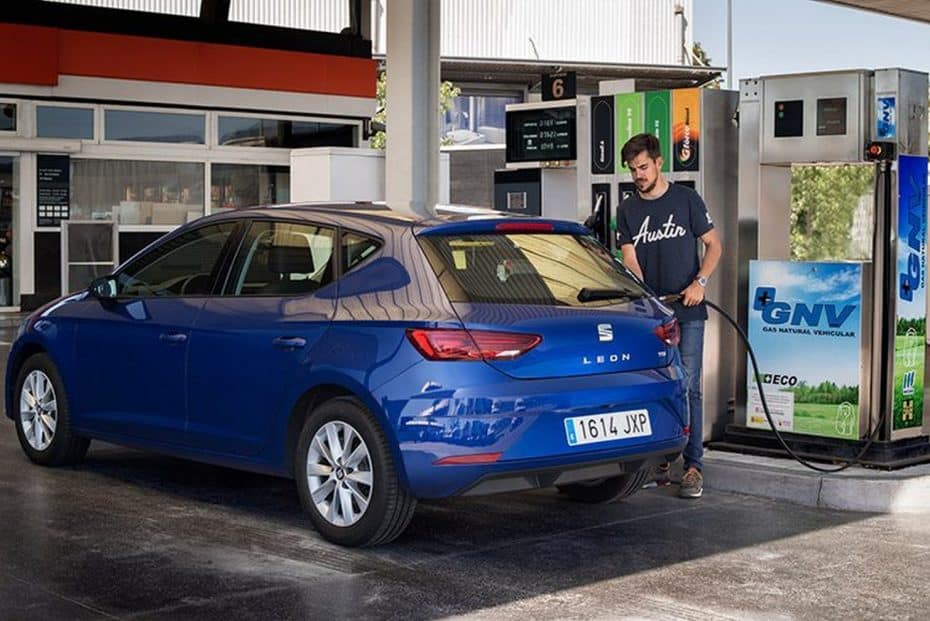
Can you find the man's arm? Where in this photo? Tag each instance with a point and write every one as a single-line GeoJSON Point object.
{"type": "Point", "coordinates": [713, 250]}
{"type": "Point", "coordinates": [629, 259]}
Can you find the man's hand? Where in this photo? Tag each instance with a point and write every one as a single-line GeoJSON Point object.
{"type": "Point", "coordinates": [693, 295]}
{"type": "Point", "coordinates": [630, 261]}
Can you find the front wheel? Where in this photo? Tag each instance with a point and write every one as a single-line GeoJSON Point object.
{"type": "Point", "coordinates": [346, 476]}
{"type": "Point", "coordinates": [606, 490]}
{"type": "Point", "coordinates": [42, 415]}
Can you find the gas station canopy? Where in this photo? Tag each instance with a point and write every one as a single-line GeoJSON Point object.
{"type": "Point", "coordinates": [504, 71]}
{"type": "Point", "coordinates": [916, 10]}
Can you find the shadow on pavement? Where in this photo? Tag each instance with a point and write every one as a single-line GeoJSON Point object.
{"type": "Point", "coordinates": [129, 532]}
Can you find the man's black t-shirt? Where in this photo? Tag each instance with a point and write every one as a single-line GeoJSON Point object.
{"type": "Point", "coordinates": [664, 232]}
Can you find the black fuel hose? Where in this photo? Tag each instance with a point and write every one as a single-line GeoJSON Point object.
{"type": "Point", "coordinates": [755, 367]}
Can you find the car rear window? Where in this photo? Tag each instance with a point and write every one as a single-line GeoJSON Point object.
{"type": "Point", "coordinates": [528, 268]}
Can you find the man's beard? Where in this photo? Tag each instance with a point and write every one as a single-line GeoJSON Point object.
{"type": "Point", "coordinates": [648, 188]}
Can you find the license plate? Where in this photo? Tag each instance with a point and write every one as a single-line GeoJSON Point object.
{"type": "Point", "coordinates": [605, 427]}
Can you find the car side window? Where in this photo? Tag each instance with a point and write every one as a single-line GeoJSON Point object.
{"type": "Point", "coordinates": [182, 266]}
{"type": "Point", "coordinates": [284, 258]}
{"type": "Point", "coordinates": [356, 248]}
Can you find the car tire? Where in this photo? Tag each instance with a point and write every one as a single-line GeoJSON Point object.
{"type": "Point", "coordinates": [606, 490]}
{"type": "Point", "coordinates": [373, 507]}
{"type": "Point", "coordinates": [43, 417]}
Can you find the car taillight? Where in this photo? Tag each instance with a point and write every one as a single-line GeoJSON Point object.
{"type": "Point", "coordinates": [443, 344]}
{"type": "Point", "coordinates": [669, 332]}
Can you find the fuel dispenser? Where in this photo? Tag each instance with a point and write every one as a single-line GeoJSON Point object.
{"type": "Point", "coordinates": [563, 161]}
{"type": "Point", "coordinates": [832, 264]}
{"type": "Point", "coordinates": [540, 177]}
{"type": "Point", "coordinates": [697, 130]}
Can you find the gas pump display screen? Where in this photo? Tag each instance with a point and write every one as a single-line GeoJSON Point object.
{"type": "Point", "coordinates": [541, 135]}
{"type": "Point", "coordinates": [831, 117]}
{"type": "Point", "coordinates": [789, 118]}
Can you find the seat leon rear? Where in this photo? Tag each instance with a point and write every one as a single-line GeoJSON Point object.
{"type": "Point", "coordinates": [376, 359]}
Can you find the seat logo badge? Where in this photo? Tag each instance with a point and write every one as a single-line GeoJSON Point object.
{"type": "Point", "coordinates": [605, 332]}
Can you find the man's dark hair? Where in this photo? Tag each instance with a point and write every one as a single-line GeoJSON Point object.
{"type": "Point", "coordinates": [639, 143]}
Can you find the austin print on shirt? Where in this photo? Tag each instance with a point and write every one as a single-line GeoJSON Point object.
{"type": "Point", "coordinates": [669, 230]}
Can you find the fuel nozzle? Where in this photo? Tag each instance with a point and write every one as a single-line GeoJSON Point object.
{"type": "Point", "coordinates": [671, 297]}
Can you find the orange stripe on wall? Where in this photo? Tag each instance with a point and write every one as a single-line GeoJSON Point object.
{"type": "Point", "coordinates": [44, 53]}
{"type": "Point", "coordinates": [29, 55]}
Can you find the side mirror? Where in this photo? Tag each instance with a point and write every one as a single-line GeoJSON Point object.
{"type": "Point", "coordinates": [103, 288]}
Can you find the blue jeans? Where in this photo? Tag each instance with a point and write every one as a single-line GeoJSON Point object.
{"type": "Point", "coordinates": [692, 356]}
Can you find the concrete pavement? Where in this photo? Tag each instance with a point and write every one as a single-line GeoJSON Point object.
{"type": "Point", "coordinates": [133, 535]}
{"type": "Point", "coordinates": [129, 534]}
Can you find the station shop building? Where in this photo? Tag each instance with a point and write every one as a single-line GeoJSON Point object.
{"type": "Point", "coordinates": [138, 126]}
{"type": "Point", "coordinates": [149, 119]}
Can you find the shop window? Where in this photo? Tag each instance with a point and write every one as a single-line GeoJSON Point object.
{"type": "Point", "coordinates": [7, 117]}
{"type": "Point", "coordinates": [142, 126]}
{"type": "Point", "coordinates": [243, 185]}
{"type": "Point", "coordinates": [9, 200]}
{"type": "Point", "coordinates": [235, 131]}
{"type": "Point", "coordinates": [137, 192]}
{"type": "Point", "coordinates": [90, 253]}
{"type": "Point", "coordinates": [477, 119]}
{"type": "Point", "coordinates": [64, 122]}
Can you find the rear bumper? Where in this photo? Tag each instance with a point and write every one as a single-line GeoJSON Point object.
{"type": "Point", "coordinates": [427, 480]}
{"type": "Point", "coordinates": [524, 422]}
{"type": "Point", "coordinates": [534, 478]}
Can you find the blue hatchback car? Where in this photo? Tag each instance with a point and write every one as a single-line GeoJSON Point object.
{"type": "Point", "coordinates": [374, 358]}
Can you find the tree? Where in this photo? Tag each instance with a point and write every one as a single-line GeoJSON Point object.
{"type": "Point", "coordinates": [447, 92]}
{"type": "Point", "coordinates": [830, 215]}
{"type": "Point", "coordinates": [699, 58]}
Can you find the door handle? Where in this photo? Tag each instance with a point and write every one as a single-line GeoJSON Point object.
{"type": "Point", "coordinates": [289, 343]}
{"type": "Point", "coordinates": [172, 337]}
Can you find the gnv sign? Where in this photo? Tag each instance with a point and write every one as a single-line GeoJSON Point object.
{"type": "Point", "coordinates": [910, 309]}
{"type": "Point", "coordinates": [914, 226]}
{"type": "Point", "coordinates": [780, 313]}
{"type": "Point", "coordinates": [805, 326]}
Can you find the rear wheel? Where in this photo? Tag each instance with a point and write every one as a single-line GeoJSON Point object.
{"type": "Point", "coordinates": [42, 415]}
{"type": "Point", "coordinates": [606, 490]}
{"type": "Point", "coordinates": [346, 476]}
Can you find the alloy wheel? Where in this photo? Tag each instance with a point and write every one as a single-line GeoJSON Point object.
{"type": "Point", "coordinates": [339, 473]}
{"type": "Point", "coordinates": [38, 410]}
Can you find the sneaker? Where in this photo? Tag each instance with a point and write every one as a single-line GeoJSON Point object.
{"type": "Point", "coordinates": [692, 484]}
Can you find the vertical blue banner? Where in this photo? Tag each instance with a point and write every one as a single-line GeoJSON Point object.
{"type": "Point", "coordinates": [911, 307]}
{"type": "Point", "coordinates": [886, 123]}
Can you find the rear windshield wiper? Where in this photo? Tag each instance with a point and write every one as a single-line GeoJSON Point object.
{"type": "Point", "coordinates": [624, 295]}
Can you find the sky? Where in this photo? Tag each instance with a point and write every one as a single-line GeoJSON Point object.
{"type": "Point", "coordinates": [793, 36]}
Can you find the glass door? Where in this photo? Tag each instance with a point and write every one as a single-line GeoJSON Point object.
{"type": "Point", "coordinates": [9, 199]}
